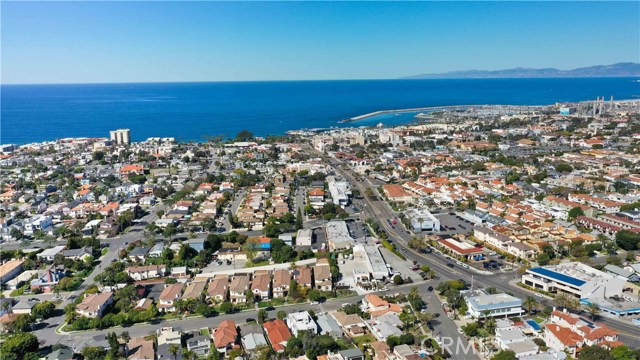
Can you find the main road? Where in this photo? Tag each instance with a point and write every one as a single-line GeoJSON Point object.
{"type": "Point", "coordinates": [379, 209]}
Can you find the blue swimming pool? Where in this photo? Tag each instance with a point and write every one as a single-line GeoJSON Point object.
{"type": "Point", "coordinates": [534, 325]}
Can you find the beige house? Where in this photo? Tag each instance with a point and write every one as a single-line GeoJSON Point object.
{"type": "Point", "coordinates": [281, 282]}
{"type": "Point", "coordinates": [94, 305]}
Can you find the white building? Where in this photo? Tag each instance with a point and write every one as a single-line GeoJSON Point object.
{"type": "Point", "coordinates": [121, 136]}
{"type": "Point", "coordinates": [422, 219]}
{"type": "Point", "coordinates": [301, 321]}
{"type": "Point", "coordinates": [577, 279]}
{"type": "Point", "coordinates": [494, 305]}
{"type": "Point", "coordinates": [375, 262]}
{"type": "Point", "coordinates": [339, 191]}
{"type": "Point", "coordinates": [50, 254]}
{"type": "Point", "coordinates": [38, 222]}
{"type": "Point", "coordinates": [304, 237]}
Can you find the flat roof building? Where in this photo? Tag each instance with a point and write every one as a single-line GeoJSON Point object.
{"type": "Point", "coordinates": [422, 219]}
{"type": "Point", "coordinates": [494, 305]}
{"type": "Point", "coordinates": [339, 190]}
{"type": "Point", "coordinates": [338, 235]}
{"type": "Point", "coordinates": [577, 279]}
{"type": "Point", "coordinates": [301, 321]}
{"type": "Point", "coordinates": [374, 260]}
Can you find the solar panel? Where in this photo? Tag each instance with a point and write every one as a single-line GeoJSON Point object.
{"type": "Point", "coordinates": [558, 276]}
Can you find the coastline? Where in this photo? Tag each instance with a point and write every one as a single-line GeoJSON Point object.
{"type": "Point", "coordinates": [369, 116]}
{"type": "Point", "coordinates": [188, 112]}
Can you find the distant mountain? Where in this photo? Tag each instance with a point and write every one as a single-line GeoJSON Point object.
{"type": "Point", "coordinates": [616, 70]}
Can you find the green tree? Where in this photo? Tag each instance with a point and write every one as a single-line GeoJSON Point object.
{"type": "Point", "coordinates": [564, 167]}
{"type": "Point", "coordinates": [16, 346]}
{"type": "Point", "coordinates": [575, 212]}
{"type": "Point", "coordinates": [226, 307]}
{"type": "Point", "coordinates": [628, 240]}
{"type": "Point", "coordinates": [43, 310]}
{"type": "Point", "coordinates": [299, 219]}
{"type": "Point", "coordinates": [251, 248]}
{"type": "Point", "coordinates": [281, 315]}
{"type": "Point", "coordinates": [594, 352]}
{"type": "Point", "coordinates": [169, 231]}
{"type": "Point", "coordinates": [398, 280]}
{"type": "Point", "coordinates": [543, 259]}
{"type": "Point", "coordinates": [21, 323]}
{"type": "Point", "coordinates": [173, 350]}
{"type": "Point", "coordinates": [530, 302]}
{"type": "Point", "coordinates": [594, 310]}
{"type": "Point", "coordinates": [94, 353]}
{"type": "Point", "coordinates": [625, 353]}
{"type": "Point", "coordinates": [262, 316]}
{"type": "Point", "coordinates": [244, 135]}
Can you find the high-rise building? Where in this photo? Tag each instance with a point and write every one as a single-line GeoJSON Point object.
{"type": "Point", "coordinates": [121, 136]}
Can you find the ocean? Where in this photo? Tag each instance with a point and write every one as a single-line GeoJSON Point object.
{"type": "Point", "coordinates": [191, 111]}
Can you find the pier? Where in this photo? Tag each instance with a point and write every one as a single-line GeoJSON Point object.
{"type": "Point", "coordinates": [442, 108]}
{"type": "Point", "coordinates": [431, 108]}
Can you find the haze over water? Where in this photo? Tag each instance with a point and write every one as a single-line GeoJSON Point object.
{"type": "Point", "coordinates": [188, 111]}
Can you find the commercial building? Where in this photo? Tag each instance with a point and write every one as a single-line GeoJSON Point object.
{"type": "Point", "coordinates": [460, 248]}
{"type": "Point", "coordinates": [422, 219]}
{"type": "Point", "coordinates": [577, 279]}
{"type": "Point", "coordinates": [339, 190]}
{"type": "Point", "coordinates": [493, 305]}
{"type": "Point", "coordinates": [375, 262]}
{"type": "Point", "coordinates": [304, 237]}
{"type": "Point", "coordinates": [120, 136]}
{"type": "Point", "coordinates": [338, 235]}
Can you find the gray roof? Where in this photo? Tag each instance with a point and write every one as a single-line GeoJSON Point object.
{"type": "Point", "coordinates": [61, 354]}
{"type": "Point", "coordinates": [139, 251]}
{"type": "Point", "coordinates": [349, 353]}
{"type": "Point", "coordinates": [328, 325]}
{"type": "Point", "coordinates": [253, 340]}
{"type": "Point", "coordinates": [618, 271]}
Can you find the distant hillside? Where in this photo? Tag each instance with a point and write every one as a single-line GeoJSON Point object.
{"type": "Point", "coordinates": [615, 70]}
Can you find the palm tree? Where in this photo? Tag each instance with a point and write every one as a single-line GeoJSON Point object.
{"type": "Point", "coordinates": [426, 318]}
{"type": "Point", "coordinates": [490, 324]}
{"type": "Point", "coordinates": [413, 292]}
{"type": "Point", "coordinates": [173, 350]}
{"type": "Point", "coordinates": [593, 310]}
{"type": "Point", "coordinates": [530, 302]}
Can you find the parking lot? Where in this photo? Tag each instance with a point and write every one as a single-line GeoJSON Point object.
{"type": "Point", "coordinates": [357, 229]}
{"type": "Point", "coordinates": [403, 267]}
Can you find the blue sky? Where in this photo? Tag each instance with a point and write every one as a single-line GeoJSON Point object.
{"type": "Point", "coordinates": [80, 42]}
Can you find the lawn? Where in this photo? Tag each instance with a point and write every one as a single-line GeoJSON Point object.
{"type": "Point", "coordinates": [539, 320]}
{"type": "Point", "coordinates": [364, 339]}
{"type": "Point", "coordinates": [204, 331]}
{"type": "Point", "coordinates": [105, 251]}
{"type": "Point", "coordinates": [250, 264]}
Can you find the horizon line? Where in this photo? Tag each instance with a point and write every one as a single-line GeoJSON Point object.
{"type": "Point", "coordinates": [409, 78]}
